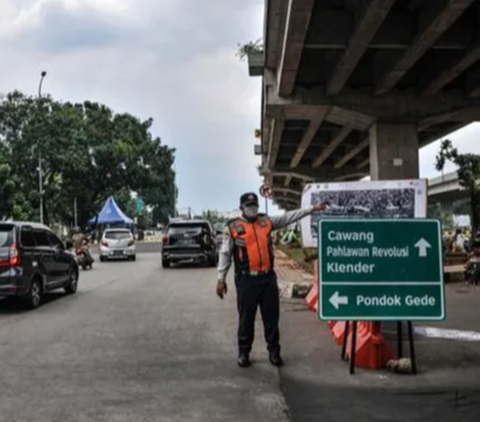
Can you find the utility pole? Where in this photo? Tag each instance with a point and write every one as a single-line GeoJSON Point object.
{"type": "Point", "coordinates": [40, 170]}
{"type": "Point", "coordinates": [75, 214]}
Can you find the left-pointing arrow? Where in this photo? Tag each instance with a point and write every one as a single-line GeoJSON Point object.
{"type": "Point", "coordinates": [337, 300]}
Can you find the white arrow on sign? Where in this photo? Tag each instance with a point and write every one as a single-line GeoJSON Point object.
{"type": "Point", "coordinates": [336, 300]}
{"type": "Point", "coordinates": [422, 246]}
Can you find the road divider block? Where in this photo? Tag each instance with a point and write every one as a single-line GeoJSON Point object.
{"type": "Point", "coordinates": [371, 350]}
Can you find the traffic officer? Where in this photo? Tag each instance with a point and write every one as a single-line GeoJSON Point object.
{"type": "Point", "coordinates": [247, 240]}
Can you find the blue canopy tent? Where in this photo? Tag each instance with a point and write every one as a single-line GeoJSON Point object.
{"type": "Point", "coordinates": [111, 214]}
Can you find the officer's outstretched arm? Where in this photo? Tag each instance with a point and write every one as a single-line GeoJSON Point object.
{"type": "Point", "coordinates": [225, 256]}
{"type": "Point", "coordinates": [281, 221]}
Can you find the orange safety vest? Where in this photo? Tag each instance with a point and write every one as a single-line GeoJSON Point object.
{"type": "Point", "coordinates": [252, 245]}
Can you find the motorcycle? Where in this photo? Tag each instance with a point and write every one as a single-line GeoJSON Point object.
{"type": "Point", "coordinates": [84, 259]}
{"type": "Point", "coordinates": [472, 270]}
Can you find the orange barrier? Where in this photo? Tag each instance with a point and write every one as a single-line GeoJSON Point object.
{"type": "Point", "coordinates": [338, 331]}
{"type": "Point", "coordinates": [312, 297]}
{"type": "Point", "coordinates": [371, 350]}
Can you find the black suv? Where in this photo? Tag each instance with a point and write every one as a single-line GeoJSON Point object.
{"type": "Point", "coordinates": [190, 240]}
{"type": "Point", "coordinates": [33, 261]}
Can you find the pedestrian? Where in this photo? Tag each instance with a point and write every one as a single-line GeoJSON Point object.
{"type": "Point", "coordinates": [247, 241]}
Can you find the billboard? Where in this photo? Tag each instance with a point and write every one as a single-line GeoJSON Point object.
{"type": "Point", "coordinates": [363, 199]}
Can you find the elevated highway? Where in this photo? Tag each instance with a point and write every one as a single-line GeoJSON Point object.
{"type": "Point", "coordinates": [352, 88]}
{"type": "Point", "coordinates": [445, 189]}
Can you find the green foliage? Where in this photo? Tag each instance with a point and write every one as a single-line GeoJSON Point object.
{"type": "Point", "coordinates": [435, 211]}
{"type": "Point", "coordinates": [468, 174]}
{"type": "Point", "coordinates": [213, 216]}
{"type": "Point", "coordinates": [88, 153]}
{"type": "Point", "coordinates": [250, 47]}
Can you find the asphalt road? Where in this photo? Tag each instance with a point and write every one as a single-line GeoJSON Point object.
{"type": "Point", "coordinates": [139, 343]}
{"type": "Point", "coordinates": [136, 343]}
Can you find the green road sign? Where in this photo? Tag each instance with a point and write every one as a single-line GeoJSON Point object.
{"type": "Point", "coordinates": [380, 269]}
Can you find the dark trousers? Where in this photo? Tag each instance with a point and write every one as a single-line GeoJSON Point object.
{"type": "Point", "coordinates": [254, 291]}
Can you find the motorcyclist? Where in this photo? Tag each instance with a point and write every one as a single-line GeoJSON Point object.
{"type": "Point", "coordinates": [472, 267]}
{"type": "Point", "coordinates": [80, 241]}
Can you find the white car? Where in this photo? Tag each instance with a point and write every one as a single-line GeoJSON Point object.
{"type": "Point", "coordinates": [117, 244]}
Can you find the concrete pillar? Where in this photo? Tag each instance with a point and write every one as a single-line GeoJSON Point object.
{"type": "Point", "coordinates": [394, 151]}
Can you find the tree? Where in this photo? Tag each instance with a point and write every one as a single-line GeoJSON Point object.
{"type": "Point", "coordinates": [248, 48]}
{"type": "Point", "coordinates": [435, 211]}
{"type": "Point", "coordinates": [468, 175]}
{"type": "Point", "coordinates": [88, 153]}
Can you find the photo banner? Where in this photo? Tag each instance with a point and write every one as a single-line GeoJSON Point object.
{"type": "Point", "coordinates": [364, 199]}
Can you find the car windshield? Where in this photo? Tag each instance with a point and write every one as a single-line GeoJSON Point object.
{"type": "Point", "coordinates": [118, 234]}
{"type": "Point", "coordinates": [6, 236]}
{"type": "Point", "coordinates": [186, 229]}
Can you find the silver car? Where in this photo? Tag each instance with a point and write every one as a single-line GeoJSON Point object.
{"type": "Point", "coordinates": [117, 244]}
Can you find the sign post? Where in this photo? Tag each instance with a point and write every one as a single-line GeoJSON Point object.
{"type": "Point", "coordinates": [267, 192]}
{"type": "Point", "coordinates": [380, 269]}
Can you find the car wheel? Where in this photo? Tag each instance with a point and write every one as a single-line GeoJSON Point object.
{"type": "Point", "coordinates": [33, 298]}
{"type": "Point", "coordinates": [102, 258]}
{"type": "Point", "coordinates": [73, 283]}
{"type": "Point", "coordinates": [165, 263]}
{"type": "Point", "coordinates": [134, 258]}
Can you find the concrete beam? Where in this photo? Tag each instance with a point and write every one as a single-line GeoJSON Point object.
{"type": "Point", "coordinates": [296, 27]}
{"type": "Point", "coordinates": [448, 75]}
{"type": "Point", "coordinates": [275, 11]}
{"type": "Point", "coordinates": [280, 199]}
{"type": "Point", "coordinates": [395, 105]}
{"type": "Point", "coordinates": [286, 190]}
{"type": "Point", "coordinates": [307, 139]}
{"type": "Point", "coordinates": [435, 18]}
{"type": "Point", "coordinates": [354, 176]}
{"type": "Point", "coordinates": [459, 115]}
{"type": "Point", "coordinates": [363, 164]}
{"type": "Point", "coordinates": [334, 143]}
{"type": "Point", "coordinates": [441, 134]}
{"type": "Point", "coordinates": [353, 153]}
{"type": "Point", "coordinates": [276, 132]}
{"type": "Point", "coordinates": [308, 173]}
{"type": "Point", "coordinates": [366, 27]}
{"type": "Point", "coordinates": [332, 29]}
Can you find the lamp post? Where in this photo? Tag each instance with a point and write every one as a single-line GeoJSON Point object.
{"type": "Point", "coordinates": [40, 171]}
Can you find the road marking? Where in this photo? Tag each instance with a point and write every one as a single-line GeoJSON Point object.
{"type": "Point", "coordinates": [448, 334]}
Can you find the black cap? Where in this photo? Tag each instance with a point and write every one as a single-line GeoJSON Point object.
{"type": "Point", "coordinates": [249, 198]}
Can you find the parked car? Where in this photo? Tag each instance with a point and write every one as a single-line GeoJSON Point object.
{"type": "Point", "coordinates": [34, 262]}
{"type": "Point", "coordinates": [189, 240]}
{"type": "Point", "coordinates": [117, 244]}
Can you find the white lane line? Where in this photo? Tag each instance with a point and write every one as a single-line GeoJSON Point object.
{"type": "Point", "coordinates": [448, 334]}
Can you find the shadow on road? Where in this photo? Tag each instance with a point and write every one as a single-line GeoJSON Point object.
{"type": "Point", "coordinates": [9, 306]}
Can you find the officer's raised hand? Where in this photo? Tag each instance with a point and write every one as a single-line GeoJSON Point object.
{"type": "Point", "coordinates": [221, 288]}
{"type": "Point", "coordinates": [319, 206]}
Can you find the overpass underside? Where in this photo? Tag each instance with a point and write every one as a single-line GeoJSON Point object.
{"type": "Point", "coordinates": [354, 88]}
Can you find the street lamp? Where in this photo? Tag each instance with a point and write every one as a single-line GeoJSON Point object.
{"type": "Point", "coordinates": [40, 171]}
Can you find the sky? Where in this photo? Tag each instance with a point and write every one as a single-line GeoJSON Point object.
{"type": "Point", "coordinates": [172, 60]}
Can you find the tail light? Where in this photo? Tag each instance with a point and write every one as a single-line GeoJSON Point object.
{"type": "Point", "coordinates": [165, 239]}
{"type": "Point", "coordinates": [105, 243]}
{"type": "Point", "coordinates": [131, 243]}
{"type": "Point", "coordinates": [12, 259]}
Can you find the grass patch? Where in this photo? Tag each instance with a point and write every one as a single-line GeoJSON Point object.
{"type": "Point", "coordinates": [299, 256]}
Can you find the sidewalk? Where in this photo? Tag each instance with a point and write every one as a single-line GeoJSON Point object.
{"type": "Point", "coordinates": [293, 280]}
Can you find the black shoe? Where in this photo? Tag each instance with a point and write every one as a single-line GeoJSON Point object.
{"type": "Point", "coordinates": [243, 360]}
{"type": "Point", "coordinates": [276, 359]}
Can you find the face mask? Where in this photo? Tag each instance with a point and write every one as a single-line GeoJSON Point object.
{"type": "Point", "coordinates": [250, 212]}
